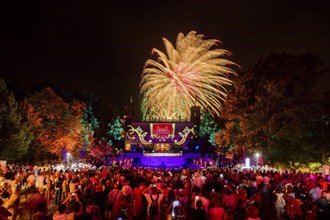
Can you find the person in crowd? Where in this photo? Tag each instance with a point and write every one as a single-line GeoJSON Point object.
{"type": "Point", "coordinates": [234, 187]}
{"type": "Point", "coordinates": [197, 196]}
{"type": "Point", "coordinates": [112, 198]}
{"type": "Point", "coordinates": [4, 213]}
{"type": "Point", "coordinates": [12, 204]}
{"type": "Point", "coordinates": [137, 200]}
{"type": "Point", "coordinates": [40, 212]}
{"type": "Point", "coordinates": [279, 203]}
{"type": "Point", "coordinates": [92, 210]}
{"type": "Point", "coordinates": [229, 198]}
{"type": "Point", "coordinates": [100, 198]}
{"type": "Point", "coordinates": [77, 212]}
{"type": "Point", "coordinates": [215, 212]}
{"type": "Point", "coordinates": [199, 213]}
{"type": "Point", "coordinates": [123, 208]}
{"type": "Point", "coordinates": [252, 213]}
{"type": "Point", "coordinates": [315, 192]}
{"type": "Point", "coordinates": [175, 211]}
{"type": "Point", "coordinates": [183, 199]}
{"type": "Point", "coordinates": [197, 180]}
{"type": "Point", "coordinates": [299, 207]}
{"type": "Point", "coordinates": [72, 197]}
{"type": "Point", "coordinates": [41, 181]}
{"type": "Point", "coordinates": [154, 196]}
{"type": "Point", "coordinates": [323, 206]}
{"type": "Point", "coordinates": [61, 213]}
{"type": "Point", "coordinates": [58, 188]}
{"type": "Point", "coordinates": [31, 180]}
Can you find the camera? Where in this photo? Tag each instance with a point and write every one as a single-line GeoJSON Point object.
{"type": "Point", "coordinates": [175, 203]}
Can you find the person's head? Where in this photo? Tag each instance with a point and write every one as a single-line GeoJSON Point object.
{"type": "Point", "coordinates": [199, 204]}
{"type": "Point", "coordinates": [324, 193]}
{"type": "Point", "coordinates": [228, 192]}
{"type": "Point", "coordinates": [197, 190]}
{"type": "Point", "coordinates": [61, 208]}
{"type": "Point", "coordinates": [76, 207]}
{"type": "Point", "coordinates": [257, 197]}
{"type": "Point", "coordinates": [153, 190]}
{"type": "Point", "coordinates": [214, 203]}
{"type": "Point", "coordinates": [126, 190]}
{"type": "Point", "coordinates": [91, 201]}
{"type": "Point", "coordinates": [41, 207]}
{"type": "Point", "coordinates": [252, 212]}
{"type": "Point", "coordinates": [98, 188]}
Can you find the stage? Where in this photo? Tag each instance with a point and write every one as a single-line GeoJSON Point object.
{"type": "Point", "coordinates": [163, 160]}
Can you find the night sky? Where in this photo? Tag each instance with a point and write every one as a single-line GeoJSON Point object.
{"type": "Point", "coordinates": [101, 46]}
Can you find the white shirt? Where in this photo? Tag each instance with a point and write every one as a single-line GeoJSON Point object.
{"type": "Point", "coordinates": [315, 193]}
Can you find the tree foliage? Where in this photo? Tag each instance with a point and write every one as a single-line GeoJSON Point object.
{"type": "Point", "coordinates": [15, 135]}
{"type": "Point", "coordinates": [116, 129]}
{"type": "Point", "coordinates": [61, 128]}
{"type": "Point", "coordinates": [208, 128]}
{"type": "Point", "coordinates": [269, 109]}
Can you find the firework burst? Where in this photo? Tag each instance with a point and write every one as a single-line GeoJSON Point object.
{"type": "Point", "coordinates": [191, 73]}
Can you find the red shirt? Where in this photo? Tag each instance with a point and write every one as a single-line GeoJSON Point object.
{"type": "Point", "coordinates": [216, 213]}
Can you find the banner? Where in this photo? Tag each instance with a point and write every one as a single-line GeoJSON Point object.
{"type": "Point", "coordinates": [162, 131]}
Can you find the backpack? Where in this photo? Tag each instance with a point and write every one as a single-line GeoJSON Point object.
{"type": "Point", "coordinates": [280, 202]}
{"type": "Point", "coordinates": [5, 194]}
{"type": "Point", "coordinates": [154, 206]}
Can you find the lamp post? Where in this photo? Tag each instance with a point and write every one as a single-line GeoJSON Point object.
{"type": "Point", "coordinates": [68, 158]}
{"type": "Point", "coordinates": [257, 155]}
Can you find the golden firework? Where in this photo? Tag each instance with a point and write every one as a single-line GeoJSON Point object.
{"type": "Point", "coordinates": [192, 73]}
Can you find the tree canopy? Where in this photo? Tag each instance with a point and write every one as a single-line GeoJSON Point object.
{"type": "Point", "coordinates": [15, 134]}
{"type": "Point", "coordinates": [272, 107]}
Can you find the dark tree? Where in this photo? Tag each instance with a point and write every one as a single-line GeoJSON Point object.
{"type": "Point", "coordinates": [15, 135]}
{"type": "Point", "coordinates": [269, 108]}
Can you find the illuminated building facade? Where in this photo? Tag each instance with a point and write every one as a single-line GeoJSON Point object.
{"type": "Point", "coordinates": [160, 136]}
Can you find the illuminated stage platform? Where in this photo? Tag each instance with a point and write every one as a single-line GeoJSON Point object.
{"type": "Point", "coordinates": [162, 160]}
{"type": "Point", "coordinates": [162, 154]}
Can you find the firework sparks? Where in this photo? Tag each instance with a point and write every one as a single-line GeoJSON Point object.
{"type": "Point", "coordinates": [190, 74]}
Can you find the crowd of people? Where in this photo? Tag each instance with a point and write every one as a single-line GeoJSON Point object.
{"type": "Point", "coordinates": [116, 192]}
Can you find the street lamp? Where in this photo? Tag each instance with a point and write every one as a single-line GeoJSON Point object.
{"type": "Point", "coordinates": [68, 158]}
{"type": "Point", "coordinates": [257, 155]}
